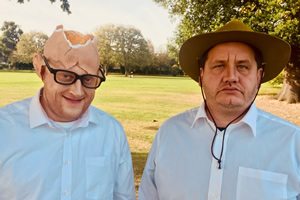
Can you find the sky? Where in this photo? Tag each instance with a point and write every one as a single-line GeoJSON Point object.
{"type": "Point", "coordinates": [40, 15]}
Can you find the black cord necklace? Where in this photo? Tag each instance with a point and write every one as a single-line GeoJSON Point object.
{"type": "Point", "coordinates": [216, 130]}
{"type": "Point", "coordinates": [223, 139]}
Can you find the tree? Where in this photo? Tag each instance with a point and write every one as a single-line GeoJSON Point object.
{"type": "Point", "coordinates": [173, 50]}
{"type": "Point", "coordinates": [162, 61]}
{"type": "Point", "coordinates": [65, 6]}
{"type": "Point", "coordinates": [150, 68]}
{"type": "Point", "coordinates": [9, 39]}
{"type": "Point", "coordinates": [30, 43]}
{"type": "Point", "coordinates": [105, 44]}
{"type": "Point", "coordinates": [124, 46]}
{"type": "Point", "coordinates": [131, 47]}
{"type": "Point", "coordinates": [280, 18]}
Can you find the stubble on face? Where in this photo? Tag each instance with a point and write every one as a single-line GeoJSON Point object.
{"type": "Point", "coordinates": [230, 88]}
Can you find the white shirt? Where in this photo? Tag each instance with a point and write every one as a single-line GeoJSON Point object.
{"type": "Point", "coordinates": [40, 160]}
{"type": "Point", "coordinates": [261, 159]}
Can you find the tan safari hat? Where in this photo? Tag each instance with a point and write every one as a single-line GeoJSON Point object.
{"type": "Point", "coordinates": [275, 52]}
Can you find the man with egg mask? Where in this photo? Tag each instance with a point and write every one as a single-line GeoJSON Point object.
{"type": "Point", "coordinates": [55, 145]}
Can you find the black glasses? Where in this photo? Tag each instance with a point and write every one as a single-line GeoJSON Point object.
{"type": "Point", "coordinates": [65, 77]}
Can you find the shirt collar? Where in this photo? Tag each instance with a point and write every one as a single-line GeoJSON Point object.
{"type": "Point", "coordinates": [249, 118]}
{"type": "Point", "coordinates": [201, 114]}
{"type": "Point", "coordinates": [38, 117]}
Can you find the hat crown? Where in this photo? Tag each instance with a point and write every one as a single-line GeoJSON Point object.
{"type": "Point", "coordinates": [234, 25]}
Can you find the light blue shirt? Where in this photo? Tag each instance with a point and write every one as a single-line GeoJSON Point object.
{"type": "Point", "coordinates": [40, 160]}
{"type": "Point", "coordinates": [261, 159]}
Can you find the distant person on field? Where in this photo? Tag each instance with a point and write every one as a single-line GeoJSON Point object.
{"type": "Point", "coordinates": [227, 148]}
{"type": "Point", "coordinates": [55, 145]}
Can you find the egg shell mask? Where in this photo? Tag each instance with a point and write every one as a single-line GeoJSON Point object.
{"type": "Point", "coordinates": [70, 48]}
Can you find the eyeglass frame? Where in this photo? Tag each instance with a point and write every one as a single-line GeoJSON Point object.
{"type": "Point", "coordinates": [54, 71]}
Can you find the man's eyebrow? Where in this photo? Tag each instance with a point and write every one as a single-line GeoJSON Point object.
{"type": "Point", "coordinates": [243, 61]}
{"type": "Point", "coordinates": [219, 61]}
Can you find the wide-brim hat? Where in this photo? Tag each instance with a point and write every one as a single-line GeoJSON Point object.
{"type": "Point", "coordinates": [275, 51]}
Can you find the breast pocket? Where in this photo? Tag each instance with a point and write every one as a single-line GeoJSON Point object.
{"type": "Point", "coordinates": [99, 178]}
{"type": "Point", "coordinates": [261, 185]}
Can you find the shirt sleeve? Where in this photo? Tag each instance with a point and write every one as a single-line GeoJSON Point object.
{"type": "Point", "coordinates": [147, 188]}
{"type": "Point", "coordinates": [124, 186]}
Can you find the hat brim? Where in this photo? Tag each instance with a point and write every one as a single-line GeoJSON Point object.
{"type": "Point", "coordinates": [275, 52]}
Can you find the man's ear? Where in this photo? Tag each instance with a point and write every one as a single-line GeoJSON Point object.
{"type": "Point", "coordinates": [200, 76]}
{"type": "Point", "coordinates": [260, 75]}
{"type": "Point", "coordinates": [38, 64]}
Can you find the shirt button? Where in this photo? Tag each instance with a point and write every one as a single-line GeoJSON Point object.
{"type": "Point", "coordinates": [66, 192]}
{"type": "Point", "coordinates": [67, 162]}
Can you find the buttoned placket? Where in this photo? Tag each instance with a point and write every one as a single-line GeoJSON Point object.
{"type": "Point", "coordinates": [66, 178]}
{"type": "Point", "coordinates": [216, 174]}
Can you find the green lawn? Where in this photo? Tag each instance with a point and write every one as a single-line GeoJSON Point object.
{"type": "Point", "coordinates": [141, 103]}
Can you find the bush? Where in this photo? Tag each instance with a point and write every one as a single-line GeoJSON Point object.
{"type": "Point", "coordinates": [3, 66]}
{"type": "Point", "coordinates": [175, 70]}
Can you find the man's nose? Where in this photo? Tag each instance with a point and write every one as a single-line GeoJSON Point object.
{"type": "Point", "coordinates": [76, 88]}
{"type": "Point", "coordinates": [230, 74]}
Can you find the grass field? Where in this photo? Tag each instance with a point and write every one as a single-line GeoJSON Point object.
{"type": "Point", "coordinates": [141, 103]}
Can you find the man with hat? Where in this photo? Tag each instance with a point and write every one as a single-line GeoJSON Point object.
{"type": "Point", "coordinates": [226, 148]}
{"type": "Point", "coordinates": [55, 145]}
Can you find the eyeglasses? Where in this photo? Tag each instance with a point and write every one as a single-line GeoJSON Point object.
{"type": "Point", "coordinates": [65, 77]}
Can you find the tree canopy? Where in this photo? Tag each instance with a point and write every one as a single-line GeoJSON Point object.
{"type": "Point", "coordinates": [65, 6]}
{"type": "Point", "coordinates": [9, 39]}
{"type": "Point", "coordinates": [275, 17]}
{"type": "Point", "coordinates": [30, 43]}
{"type": "Point", "coordinates": [120, 45]}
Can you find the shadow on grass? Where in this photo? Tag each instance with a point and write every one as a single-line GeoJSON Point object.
{"type": "Point", "coordinates": [154, 128]}
{"type": "Point", "coordinates": [139, 162]}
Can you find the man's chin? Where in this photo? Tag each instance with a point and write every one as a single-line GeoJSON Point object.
{"type": "Point", "coordinates": [231, 102]}
{"type": "Point", "coordinates": [72, 115]}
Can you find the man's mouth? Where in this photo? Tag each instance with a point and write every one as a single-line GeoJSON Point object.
{"type": "Point", "coordinates": [73, 100]}
{"type": "Point", "coordinates": [229, 89]}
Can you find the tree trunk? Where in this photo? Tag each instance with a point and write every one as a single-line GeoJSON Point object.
{"type": "Point", "coordinates": [146, 70]}
{"type": "Point", "coordinates": [105, 68]}
{"type": "Point", "coordinates": [290, 90]}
